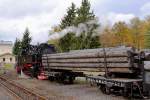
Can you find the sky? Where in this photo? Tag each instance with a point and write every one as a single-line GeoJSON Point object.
{"type": "Point", "coordinates": [40, 15]}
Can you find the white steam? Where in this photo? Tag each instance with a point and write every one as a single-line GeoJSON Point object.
{"type": "Point", "coordinates": [82, 27]}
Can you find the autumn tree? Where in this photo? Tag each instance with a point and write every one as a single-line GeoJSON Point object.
{"type": "Point", "coordinates": [147, 33]}
{"type": "Point", "coordinates": [106, 35]}
{"type": "Point", "coordinates": [138, 31]}
{"type": "Point", "coordinates": [121, 30]}
{"type": "Point", "coordinates": [147, 39]}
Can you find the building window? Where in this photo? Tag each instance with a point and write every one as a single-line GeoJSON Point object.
{"type": "Point", "coordinates": [10, 59]}
{"type": "Point", "coordinates": [3, 59]}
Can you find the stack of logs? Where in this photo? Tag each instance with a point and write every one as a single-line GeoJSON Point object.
{"type": "Point", "coordinates": [117, 60]}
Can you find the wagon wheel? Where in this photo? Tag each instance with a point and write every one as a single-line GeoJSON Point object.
{"type": "Point", "coordinates": [51, 78]}
{"type": "Point", "coordinates": [71, 79]}
{"type": "Point", "coordinates": [126, 94]}
{"type": "Point", "coordinates": [103, 89]}
{"type": "Point", "coordinates": [107, 90]}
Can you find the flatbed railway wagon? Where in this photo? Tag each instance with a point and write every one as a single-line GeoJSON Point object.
{"type": "Point", "coordinates": [122, 86]}
{"type": "Point", "coordinates": [76, 63]}
{"type": "Point", "coordinates": [124, 69]}
{"type": "Point", "coordinates": [129, 87]}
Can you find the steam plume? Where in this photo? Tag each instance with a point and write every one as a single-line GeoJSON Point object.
{"type": "Point", "coordinates": [82, 27]}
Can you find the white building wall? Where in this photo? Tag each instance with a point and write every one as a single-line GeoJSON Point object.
{"type": "Point", "coordinates": [5, 49]}
{"type": "Point", "coordinates": [6, 52]}
{"type": "Point", "coordinates": [8, 58]}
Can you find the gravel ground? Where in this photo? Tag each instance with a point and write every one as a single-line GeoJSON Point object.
{"type": "Point", "coordinates": [5, 95]}
{"type": "Point", "coordinates": [56, 91]}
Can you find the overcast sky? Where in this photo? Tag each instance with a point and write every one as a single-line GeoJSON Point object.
{"type": "Point", "coordinates": [40, 15]}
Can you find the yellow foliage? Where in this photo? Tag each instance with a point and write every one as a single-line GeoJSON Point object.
{"type": "Point", "coordinates": [126, 34]}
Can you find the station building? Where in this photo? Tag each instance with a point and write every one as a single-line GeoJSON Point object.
{"type": "Point", "coordinates": [6, 55]}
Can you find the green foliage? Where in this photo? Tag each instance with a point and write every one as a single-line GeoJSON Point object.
{"type": "Point", "coordinates": [84, 12]}
{"type": "Point", "coordinates": [89, 39]}
{"type": "Point", "coordinates": [74, 17]}
{"type": "Point", "coordinates": [69, 18]}
{"type": "Point", "coordinates": [26, 40]}
{"type": "Point", "coordinates": [55, 42]}
{"type": "Point", "coordinates": [17, 47]}
{"type": "Point", "coordinates": [8, 66]}
{"type": "Point", "coordinates": [66, 43]}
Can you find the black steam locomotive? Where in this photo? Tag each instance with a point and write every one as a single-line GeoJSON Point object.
{"type": "Point", "coordinates": [30, 59]}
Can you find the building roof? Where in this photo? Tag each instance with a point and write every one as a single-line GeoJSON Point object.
{"type": "Point", "coordinates": [6, 42]}
{"type": "Point", "coordinates": [6, 54]}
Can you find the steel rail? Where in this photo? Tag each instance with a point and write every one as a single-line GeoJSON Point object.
{"type": "Point", "coordinates": [20, 92]}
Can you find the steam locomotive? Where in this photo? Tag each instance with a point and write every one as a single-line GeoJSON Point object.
{"type": "Point", "coordinates": [29, 61]}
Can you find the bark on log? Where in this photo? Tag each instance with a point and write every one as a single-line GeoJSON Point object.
{"type": "Point", "coordinates": [93, 53]}
{"type": "Point", "coordinates": [88, 65]}
{"type": "Point", "coordinates": [89, 55]}
{"type": "Point", "coordinates": [106, 49]}
{"type": "Point", "coordinates": [124, 70]}
{"type": "Point", "coordinates": [90, 60]}
{"type": "Point", "coordinates": [118, 59]}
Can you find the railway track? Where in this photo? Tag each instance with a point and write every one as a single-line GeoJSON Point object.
{"type": "Point", "coordinates": [18, 91]}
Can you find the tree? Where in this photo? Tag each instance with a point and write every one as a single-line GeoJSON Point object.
{"type": "Point", "coordinates": [66, 43]}
{"type": "Point", "coordinates": [121, 30]}
{"type": "Point", "coordinates": [147, 39]}
{"type": "Point", "coordinates": [138, 31]}
{"type": "Point", "coordinates": [55, 41]}
{"type": "Point", "coordinates": [69, 18]}
{"type": "Point", "coordinates": [26, 40]}
{"type": "Point", "coordinates": [17, 47]}
{"type": "Point", "coordinates": [84, 13]}
{"type": "Point", "coordinates": [106, 35]}
{"type": "Point", "coordinates": [89, 39]}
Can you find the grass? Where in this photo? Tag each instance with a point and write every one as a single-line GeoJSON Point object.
{"type": "Point", "coordinates": [80, 80]}
{"type": "Point", "coordinates": [8, 66]}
